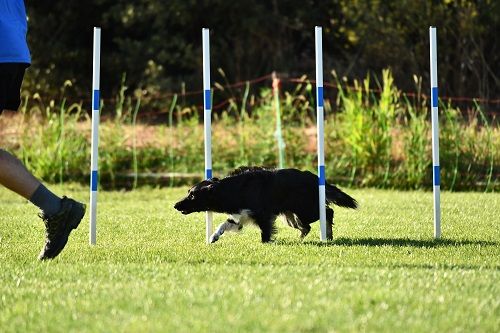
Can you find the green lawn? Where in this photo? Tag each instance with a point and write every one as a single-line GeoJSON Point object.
{"type": "Point", "coordinates": [151, 270]}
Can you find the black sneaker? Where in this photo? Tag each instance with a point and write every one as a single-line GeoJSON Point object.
{"type": "Point", "coordinates": [59, 226]}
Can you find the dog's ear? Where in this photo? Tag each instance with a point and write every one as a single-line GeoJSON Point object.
{"type": "Point", "coordinates": [208, 184]}
{"type": "Point", "coordinates": [213, 182]}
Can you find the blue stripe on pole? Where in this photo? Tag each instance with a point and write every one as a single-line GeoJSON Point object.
{"type": "Point", "coordinates": [320, 96]}
{"type": "Point", "coordinates": [208, 173]}
{"type": "Point", "coordinates": [96, 99]}
{"type": "Point", "coordinates": [208, 100]}
{"type": "Point", "coordinates": [437, 177]}
{"type": "Point", "coordinates": [93, 180]}
{"type": "Point", "coordinates": [321, 177]}
{"type": "Point", "coordinates": [434, 97]}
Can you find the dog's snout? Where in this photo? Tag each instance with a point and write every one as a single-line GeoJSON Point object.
{"type": "Point", "coordinates": [181, 207]}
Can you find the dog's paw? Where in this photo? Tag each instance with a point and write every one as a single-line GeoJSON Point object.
{"type": "Point", "coordinates": [214, 238]}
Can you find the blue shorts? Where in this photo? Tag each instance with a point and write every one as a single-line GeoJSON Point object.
{"type": "Point", "coordinates": [11, 78]}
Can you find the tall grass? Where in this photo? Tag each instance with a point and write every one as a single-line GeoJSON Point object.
{"type": "Point", "coordinates": [415, 141]}
{"type": "Point", "coordinates": [367, 124]}
{"type": "Point", "coordinates": [135, 164]}
{"type": "Point", "coordinates": [51, 142]}
{"type": "Point", "coordinates": [171, 136]}
{"type": "Point", "coordinates": [375, 136]}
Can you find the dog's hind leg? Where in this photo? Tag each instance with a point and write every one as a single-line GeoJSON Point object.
{"type": "Point", "coordinates": [293, 221]}
{"type": "Point", "coordinates": [304, 230]}
{"type": "Point", "coordinates": [329, 223]}
{"type": "Point", "coordinates": [228, 225]}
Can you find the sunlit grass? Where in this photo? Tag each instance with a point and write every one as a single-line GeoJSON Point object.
{"type": "Point", "coordinates": [151, 270]}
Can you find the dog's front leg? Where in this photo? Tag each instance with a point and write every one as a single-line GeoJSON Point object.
{"type": "Point", "coordinates": [228, 225]}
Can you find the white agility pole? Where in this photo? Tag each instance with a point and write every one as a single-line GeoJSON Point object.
{"type": "Point", "coordinates": [207, 102]}
{"type": "Point", "coordinates": [320, 126]}
{"type": "Point", "coordinates": [278, 134]}
{"type": "Point", "coordinates": [435, 133]}
{"type": "Point", "coordinates": [95, 135]}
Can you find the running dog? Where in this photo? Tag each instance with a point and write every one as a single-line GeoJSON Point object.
{"type": "Point", "coordinates": [259, 195]}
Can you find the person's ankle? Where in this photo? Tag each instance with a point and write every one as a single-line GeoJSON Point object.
{"type": "Point", "coordinates": [47, 201]}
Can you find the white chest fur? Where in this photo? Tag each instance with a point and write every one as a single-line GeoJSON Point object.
{"type": "Point", "coordinates": [244, 217]}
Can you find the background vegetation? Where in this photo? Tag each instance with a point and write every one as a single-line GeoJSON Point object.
{"type": "Point", "coordinates": [158, 43]}
{"type": "Point", "coordinates": [377, 138]}
{"type": "Point", "coordinates": [376, 68]}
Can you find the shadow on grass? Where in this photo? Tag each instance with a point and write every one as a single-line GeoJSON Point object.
{"type": "Point", "coordinates": [395, 242]}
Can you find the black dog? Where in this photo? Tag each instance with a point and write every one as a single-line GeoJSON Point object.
{"type": "Point", "coordinates": [254, 194]}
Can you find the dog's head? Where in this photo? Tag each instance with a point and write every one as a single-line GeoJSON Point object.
{"type": "Point", "coordinates": [199, 198]}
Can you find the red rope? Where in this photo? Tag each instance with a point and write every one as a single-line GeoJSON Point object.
{"type": "Point", "coordinates": [412, 94]}
{"type": "Point", "coordinates": [200, 92]}
{"type": "Point", "coordinates": [301, 80]}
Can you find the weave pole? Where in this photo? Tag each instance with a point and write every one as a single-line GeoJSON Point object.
{"type": "Point", "coordinates": [320, 126]}
{"type": "Point", "coordinates": [278, 134]}
{"type": "Point", "coordinates": [435, 133]}
{"type": "Point", "coordinates": [207, 120]}
{"type": "Point", "coordinates": [95, 135]}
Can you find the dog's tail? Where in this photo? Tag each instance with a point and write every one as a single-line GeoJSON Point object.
{"type": "Point", "coordinates": [339, 198]}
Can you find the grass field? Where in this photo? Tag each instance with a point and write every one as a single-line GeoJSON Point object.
{"type": "Point", "coordinates": [151, 270]}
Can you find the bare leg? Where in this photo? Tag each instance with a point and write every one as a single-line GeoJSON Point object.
{"type": "Point", "coordinates": [15, 176]}
{"type": "Point", "coordinates": [60, 216]}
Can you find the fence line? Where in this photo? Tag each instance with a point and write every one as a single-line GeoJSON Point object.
{"type": "Point", "coordinates": [326, 84]}
{"type": "Point", "coordinates": [329, 85]}
{"type": "Point", "coordinates": [411, 94]}
{"type": "Point", "coordinates": [297, 80]}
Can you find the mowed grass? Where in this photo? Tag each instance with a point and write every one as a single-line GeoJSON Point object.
{"type": "Point", "coordinates": [152, 271]}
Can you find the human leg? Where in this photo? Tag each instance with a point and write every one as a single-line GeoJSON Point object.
{"type": "Point", "coordinates": [60, 216]}
{"type": "Point", "coordinates": [15, 176]}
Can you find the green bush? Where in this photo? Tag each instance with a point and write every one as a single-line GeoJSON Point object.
{"type": "Point", "coordinates": [375, 137]}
